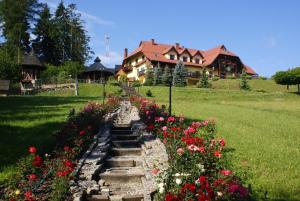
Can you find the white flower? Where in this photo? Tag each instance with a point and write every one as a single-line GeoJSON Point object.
{"type": "Point", "coordinates": [161, 185]}
{"type": "Point", "coordinates": [177, 175]}
{"type": "Point", "coordinates": [219, 194]}
{"type": "Point", "coordinates": [161, 190]}
{"type": "Point", "coordinates": [178, 181]}
{"type": "Point", "coordinates": [201, 167]}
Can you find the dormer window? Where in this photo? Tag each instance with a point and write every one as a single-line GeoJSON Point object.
{"type": "Point", "coordinates": [172, 57]}
{"type": "Point", "coordinates": [184, 59]}
{"type": "Point", "coordinates": [197, 61]}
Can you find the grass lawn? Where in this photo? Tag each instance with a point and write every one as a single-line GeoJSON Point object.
{"type": "Point", "coordinates": [263, 128]}
{"type": "Point", "coordinates": [31, 120]}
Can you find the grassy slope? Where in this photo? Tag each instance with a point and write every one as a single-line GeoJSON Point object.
{"type": "Point", "coordinates": [262, 127]}
{"type": "Point", "coordinates": [31, 120]}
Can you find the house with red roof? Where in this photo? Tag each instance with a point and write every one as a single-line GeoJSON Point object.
{"type": "Point", "coordinates": [218, 61]}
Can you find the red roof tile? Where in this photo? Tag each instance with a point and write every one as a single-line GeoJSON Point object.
{"type": "Point", "coordinates": [155, 52]}
{"type": "Point", "coordinates": [249, 70]}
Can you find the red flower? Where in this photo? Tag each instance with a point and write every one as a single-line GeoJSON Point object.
{"type": "Point", "coordinates": [62, 173]}
{"type": "Point", "coordinates": [82, 132]}
{"type": "Point", "coordinates": [32, 150]}
{"type": "Point", "coordinates": [189, 187]}
{"type": "Point", "coordinates": [69, 164]}
{"type": "Point", "coordinates": [32, 177]}
{"type": "Point", "coordinates": [217, 154]}
{"type": "Point", "coordinates": [222, 142]}
{"type": "Point", "coordinates": [170, 197]}
{"type": "Point", "coordinates": [150, 127]}
{"type": "Point", "coordinates": [28, 196]}
{"type": "Point", "coordinates": [37, 161]}
{"type": "Point", "coordinates": [67, 148]}
{"type": "Point", "coordinates": [226, 172]}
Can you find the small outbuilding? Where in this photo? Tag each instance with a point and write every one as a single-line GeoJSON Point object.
{"type": "Point", "coordinates": [31, 70]}
{"type": "Point", "coordinates": [97, 72]}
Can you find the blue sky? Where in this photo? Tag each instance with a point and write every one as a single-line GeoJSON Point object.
{"type": "Point", "coordinates": [264, 33]}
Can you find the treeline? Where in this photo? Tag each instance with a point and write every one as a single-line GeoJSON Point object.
{"type": "Point", "coordinates": [56, 37]}
{"type": "Point", "coordinates": [289, 77]}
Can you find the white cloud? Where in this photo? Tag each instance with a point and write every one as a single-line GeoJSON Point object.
{"type": "Point", "coordinates": [111, 60]}
{"type": "Point", "coordinates": [95, 19]}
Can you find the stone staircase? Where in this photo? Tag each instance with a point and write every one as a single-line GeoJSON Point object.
{"type": "Point", "coordinates": [121, 176]}
{"type": "Point", "coordinates": [129, 91]}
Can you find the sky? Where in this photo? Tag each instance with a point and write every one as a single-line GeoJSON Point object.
{"type": "Point", "coordinates": [265, 34]}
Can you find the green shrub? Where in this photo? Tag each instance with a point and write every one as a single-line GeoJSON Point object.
{"type": "Point", "coordinates": [231, 77]}
{"type": "Point", "coordinates": [149, 93]}
{"type": "Point", "coordinates": [216, 78]}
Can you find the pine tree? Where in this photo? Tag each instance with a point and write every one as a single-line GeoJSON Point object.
{"type": "Point", "coordinates": [44, 44]}
{"type": "Point", "coordinates": [16, 17]}
{"type": "Point", "coordinates": [157, 77]}
{"type": "Point", "coordinates": [167, 76]}
{"type": "Point", "coordinates": [179, 75]}
{"type": "Point", "coordinates": [244, 82]}
{"type": "Point", "coordinates": [204, 82]}
{"type": "Point", "coordinates": [71, 40]}
{"type": "Point", "coordinates": [148, 76]}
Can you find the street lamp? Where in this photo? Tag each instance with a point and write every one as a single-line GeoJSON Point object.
{"type": "Point", "coordinates": [103, 85]}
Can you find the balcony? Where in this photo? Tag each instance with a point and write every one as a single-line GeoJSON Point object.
{"type": "Point", "coordinates": [141, 72]}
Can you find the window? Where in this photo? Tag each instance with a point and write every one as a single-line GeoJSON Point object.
{"type": "Point", "coordinates": [197, 60]}
{"type": "Point", "coordinates": [184, 59]}
{"type": "Point", "coordinates": [143, 57]}
{"type": "Point", "coordinates": [172, 56]}
{"type": "Point", "coordinates": [136, 60]}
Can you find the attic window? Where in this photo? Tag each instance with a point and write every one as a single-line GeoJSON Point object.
{"type": "Point", "coordinates": [143, 57]}
{"type": "Point", "coordinates": [197, 61]}
{"type": "Point", "coordinates": [184, 59]}
{"type": "Point", "coordinates": [172, 57]}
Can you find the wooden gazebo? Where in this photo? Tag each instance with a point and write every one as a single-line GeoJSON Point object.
{"type": "Point", "coordinates": [97, 72]}
{"type": "Point", "coordinates": [31, 69]}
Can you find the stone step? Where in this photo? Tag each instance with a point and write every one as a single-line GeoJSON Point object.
{"type": "Point", "coordinates": [113, 177]}
{"type": "Point", "coordinates": [126, 143]}
{"type": "Point", "coordinates": [125, 137]}
{"type": "Point", "coordinates": [120, 162]}
{"type": "Point", "coordinates": [133, 198]}
{"type": "Point", "coordinates": [98, 198]}
{"type": "Point", "coordinates": [117, 126]}
{"type": "Point", "coordinates": [126, 151]}
{"type": "Point", "coordinates": [121, 132]}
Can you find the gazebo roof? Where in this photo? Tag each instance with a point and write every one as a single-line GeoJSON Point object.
{"type": "Point", "coordinates": [31, 59]}
{"type": "Point", "coordinates": [98, 66]}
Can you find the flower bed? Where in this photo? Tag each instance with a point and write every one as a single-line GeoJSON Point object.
{"type": "Point", "coordinates": [199, 166]}
{"type": "Point", "coordinates": [46, 176]}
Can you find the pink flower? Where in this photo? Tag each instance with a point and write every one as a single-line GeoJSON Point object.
{"type": "Point", "coordinates": [191, 130]}
{"type": "Point", "coordinates": [82, 132]}
{"type": "Point", "coordinates": [193, 148]}
{"type": "Point", "coordinates": [164, 128]}
{"type": "Point", "coordinates": [171, 119]}
{"type": "Point", "coordinates": [226, 172]}
{"type": "Point", "coordinates": [155, 171]}
{"type": "Point", "coordinates": [32, 150]}
{"type": "Point", "coordinates": [180, 151]}
{"type": "Point", "coordinates": [161, 119]}
{"type": "Point", "coordinates": [201, 149]}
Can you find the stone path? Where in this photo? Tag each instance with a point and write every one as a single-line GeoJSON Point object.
{"type": "Point", "coordinates": [119, 167]}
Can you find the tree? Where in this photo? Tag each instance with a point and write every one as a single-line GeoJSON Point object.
{"type": "Point", "coordinates": [17, 16]}
{"type": "Point", "coordinates": [44, 44]}
{"type": "Point", "coordinates": [179, 75]}
{"type": "Point", "coordinates": [204, 82]}
{"type": "Point", "coordinates": [71, 40]}
{"type": "Point", "coordinates": [148, 76]}
{"type": "Point", "coordinates": [9, 69]}
{"type": "Point", "coordinates": [289, 77]}
{"type": "Point", "coordinates": [167, 76]}
{"type": "Point", "coordinates": [244, 82]}
{"type": "Point", "coordinates": [157, 77]}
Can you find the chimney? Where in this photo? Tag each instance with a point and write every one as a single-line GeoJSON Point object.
{"type": "Point", "coordinates": [125, 53]}
{"type": "Point", "coordinates": [177, 45]}
{"type": "Point", "coordinates": [152, 41]}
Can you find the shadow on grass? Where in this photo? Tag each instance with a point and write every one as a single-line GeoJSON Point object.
{"type": "Point", "coordinates": [31, 121]}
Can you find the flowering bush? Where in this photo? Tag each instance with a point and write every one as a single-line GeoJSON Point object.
{"type": "Point", "coordinates": [199, 166]}
{"type": "Point", "coordinates": [46, 176]}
